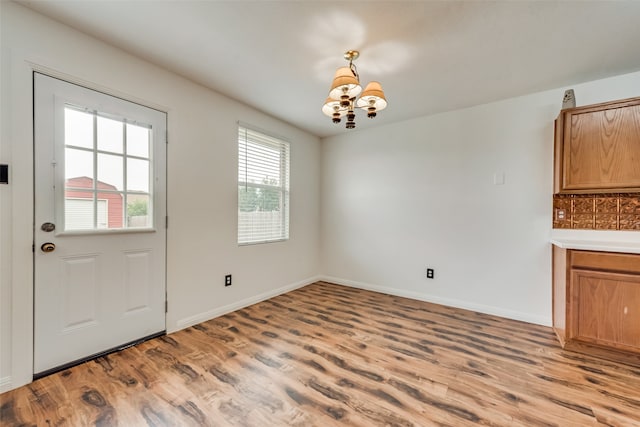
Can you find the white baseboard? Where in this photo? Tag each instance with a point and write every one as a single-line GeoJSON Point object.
{"type": "Point", "coordinates": [467, 305]}
{"type": "Point", "coordinates": [208, 315]}
{"type": "Point", "coordinates": [5, 384]}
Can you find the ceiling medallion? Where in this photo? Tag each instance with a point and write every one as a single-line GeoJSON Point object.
{"type": "Point", "coordinates": [343, 95]}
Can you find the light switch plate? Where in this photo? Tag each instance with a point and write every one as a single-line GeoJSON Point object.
{"type": "Point", "coordinates": [4, 174]}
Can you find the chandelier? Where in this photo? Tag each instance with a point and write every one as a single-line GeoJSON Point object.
{"type": "Point", "coordinates": [343, 95]}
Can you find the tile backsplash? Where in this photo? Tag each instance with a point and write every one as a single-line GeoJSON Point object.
{"type": "Point", "coordinates": [611, 211]}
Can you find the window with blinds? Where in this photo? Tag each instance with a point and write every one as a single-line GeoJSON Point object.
{"type": "Point", "coordinates": [263, 187]}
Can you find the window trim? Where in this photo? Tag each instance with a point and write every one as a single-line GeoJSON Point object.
{"type": "Point", "coordinates": [61, 193]}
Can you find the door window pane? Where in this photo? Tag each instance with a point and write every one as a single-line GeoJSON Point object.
{"type": "Point", "coordinates": [110, 172]}
{"type": "Point", "coordinates": [107, 173]}
{"type": "Point", "coordinates": [137, 141]}
{"type": "Point", "coordinates": [78, 214]}
{"type": "Point", "coordinates": [102, 214]}
{"type": "Point", "coordinates": [137, 175]}
{"type": "Point", "coordinates": [78, 128]}
{"type": "Point", "coordinates": [110, 135]}
{"type": "Point", "coordinates": [138, 211]}
{"type": "Point", "coordinates": [78, 164]}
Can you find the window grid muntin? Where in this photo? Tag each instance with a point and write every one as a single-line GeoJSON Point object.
{"type": "Point", "coordinates": [94, 190]}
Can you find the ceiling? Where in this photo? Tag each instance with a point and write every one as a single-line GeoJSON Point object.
{"type": "Point", "coordinates": [430, 56]}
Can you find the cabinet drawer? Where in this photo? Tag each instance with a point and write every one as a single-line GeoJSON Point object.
{"type": "Point", "coordinates": [607, 261]}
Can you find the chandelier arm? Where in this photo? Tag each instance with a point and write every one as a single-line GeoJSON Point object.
{"type": "Point", "coordinates": [354, 70]}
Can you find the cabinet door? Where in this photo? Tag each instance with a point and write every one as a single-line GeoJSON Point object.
{"type": "Point", "coordinates": [601, 148]}
{"type": "Point", "coordinates": [605, 308]}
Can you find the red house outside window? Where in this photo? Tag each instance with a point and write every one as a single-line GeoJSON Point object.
{"type": "Point", "coordinates": [79, 209]}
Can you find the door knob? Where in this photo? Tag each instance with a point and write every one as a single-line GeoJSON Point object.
{"type": "Point", "coordinates": [48, 247]}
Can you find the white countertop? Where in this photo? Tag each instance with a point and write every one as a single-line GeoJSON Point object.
{"type": "Point", "coordinates": [597, 240]}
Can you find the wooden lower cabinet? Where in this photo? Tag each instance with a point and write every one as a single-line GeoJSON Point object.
{"type": "Point", "coordinates": [596, 304]}
{"type": "Point", "coordinates": [606, 308]}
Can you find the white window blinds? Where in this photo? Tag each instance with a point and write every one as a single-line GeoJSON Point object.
{"type": "Point", "coordinates": [263, 187]}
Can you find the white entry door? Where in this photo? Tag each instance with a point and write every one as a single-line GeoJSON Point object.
{"type": "Point", "coordinates": [100, 219]}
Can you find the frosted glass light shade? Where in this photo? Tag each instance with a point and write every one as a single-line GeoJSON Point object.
{"type": "Point", "coordinates": [373, 96]}
{"type": "Point", "coordinates": [344, 83]}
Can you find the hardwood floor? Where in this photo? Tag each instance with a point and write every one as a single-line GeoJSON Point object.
{"type": "Point", "coordinates": [327, 355]}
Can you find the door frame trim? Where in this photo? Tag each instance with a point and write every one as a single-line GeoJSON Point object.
{"type": "Point", "coordinates": [20, 65]}
{"type": "Point", "coordinates": [87, 84]}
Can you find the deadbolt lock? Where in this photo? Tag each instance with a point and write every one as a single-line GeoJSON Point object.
{"type": "Point", "coordinates": [48, 247]}
{"type": "Point", "coordinates": [48, 227]}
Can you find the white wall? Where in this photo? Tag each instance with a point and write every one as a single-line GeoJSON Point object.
{"type": "Point", "coordinates": [394, 200]}
{"type": "Point", "coordinates": [202, 181]}
{"type": "Point", "coordinates": [402, 197]}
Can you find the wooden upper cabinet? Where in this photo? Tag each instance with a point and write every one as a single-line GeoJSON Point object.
{"type": "Point", "coordinates": [597, 148]}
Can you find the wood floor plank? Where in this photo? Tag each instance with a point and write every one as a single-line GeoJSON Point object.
{"type": "Point", "coordinates": [327, 355]}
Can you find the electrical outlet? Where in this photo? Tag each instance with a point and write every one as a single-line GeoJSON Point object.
{"type": "Point", "coordinates": [227, 280]}
{"type": "Point", "coordinates": [430, 273]}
